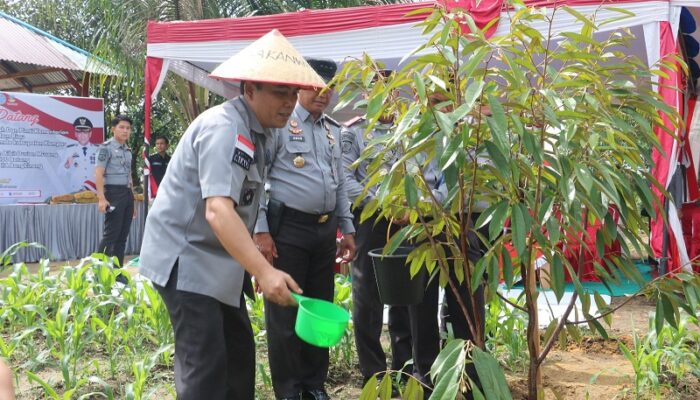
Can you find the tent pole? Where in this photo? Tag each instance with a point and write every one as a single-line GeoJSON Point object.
{"type": "Point", "coordinates": [146, 184]}
{"type": "Point", "coordinates": [663, 261]}
{"type": "Point", "coordinates": [148, 90]}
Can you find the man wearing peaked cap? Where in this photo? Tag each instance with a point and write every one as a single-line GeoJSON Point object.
{"type": "Point", "coordinates": [296, 230]}
{"type": "Point", "coordinates": [78, 159]}
{"type": "Point", "coordinates": [204, 214]}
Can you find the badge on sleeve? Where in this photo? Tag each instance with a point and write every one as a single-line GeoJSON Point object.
{"type": "Point", "coordinates": [102, 155]}
{"type": "Point", "coordinates": [243, 152]}
{"type": "Point", "coordinates": [247, 197]}
{"type": "Point", "coordinates": [348, 140]}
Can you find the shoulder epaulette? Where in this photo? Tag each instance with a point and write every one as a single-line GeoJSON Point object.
{"type": "Point", "coordinates": [332, 121]}
{"type": "Point", "coordinates": [71, 145]}
{"type": "Point", "coordinates": [353, 121]}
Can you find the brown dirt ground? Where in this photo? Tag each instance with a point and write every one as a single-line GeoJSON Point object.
{"type": "Point", "coordinates": [595, 369]}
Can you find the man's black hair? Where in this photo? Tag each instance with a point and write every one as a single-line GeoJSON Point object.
{"type": "Point", "coordinates": [119, 118]}
{"type": "Point", "coordinates": [162, 137]}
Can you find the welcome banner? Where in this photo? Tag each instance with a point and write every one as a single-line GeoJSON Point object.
{"type": "Point", "coordinates": [47, 145]}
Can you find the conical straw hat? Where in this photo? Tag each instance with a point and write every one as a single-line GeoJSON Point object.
{"type": "Point", "coordinates": [270, 59]}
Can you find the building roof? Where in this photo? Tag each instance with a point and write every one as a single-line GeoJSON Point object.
{"type": "Point", "coordinates": [32, 60]}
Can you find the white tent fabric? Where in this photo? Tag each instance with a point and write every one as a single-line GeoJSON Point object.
{"type": "Point", "coordinates": [392, 42]}
{"type": "Point", "coordinates": [694, 137]}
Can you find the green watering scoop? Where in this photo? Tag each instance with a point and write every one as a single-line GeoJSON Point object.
{"type": "Point", "coordinates": [319, 322]}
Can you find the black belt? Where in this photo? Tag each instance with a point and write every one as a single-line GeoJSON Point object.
{"type": "Point", "coordinates": [116, 186]}
{"type": "Point", "coordinates": [306, 217]}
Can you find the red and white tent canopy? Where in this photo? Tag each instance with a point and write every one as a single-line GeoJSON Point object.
{"type": "Point", "coordinates": [192, 49]}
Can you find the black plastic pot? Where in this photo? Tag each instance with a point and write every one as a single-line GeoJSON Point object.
{"type": "Point", "coordinates": [396, 287]}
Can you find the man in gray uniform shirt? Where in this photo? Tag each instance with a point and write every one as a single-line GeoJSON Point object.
{"type": "Point", "coordinates": [204, 215]}
{"type": "Point", "coordinates": [425, 332]}
{"type": "Point", "coordinates": [368, 311]}
{"type": "Point", "coordinates": [307, 183]}
{"type": "Point", "coordinates": [113, 183]}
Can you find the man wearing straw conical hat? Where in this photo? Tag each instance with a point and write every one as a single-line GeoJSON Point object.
{"type": "Point", "coordinates": [204, 215]}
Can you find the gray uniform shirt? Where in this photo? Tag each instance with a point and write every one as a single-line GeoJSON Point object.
{"type": "Point", "coordinates": [317, 187]}
{"type": "Point", "coordinates": [222, 154]}
{"type": "Point", "coordinates": [354, 143]}
{"type": "Point", "coordinates": [115, 158]}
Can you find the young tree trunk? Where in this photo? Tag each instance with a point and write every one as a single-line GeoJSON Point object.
{"type": "Point", "coordinates": [534, 381]}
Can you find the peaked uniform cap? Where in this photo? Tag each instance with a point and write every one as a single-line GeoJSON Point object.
{"type": "Point", "coordinates": [326, 69]}
{"type": "Point", "coordinates": [82, 123]}
{"type": "Point", "coordinates": [270, 59]}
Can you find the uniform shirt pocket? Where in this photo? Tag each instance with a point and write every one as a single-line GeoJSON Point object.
{"type": "Point", "coordinates": [253, 175]}
{"type": "Point", "coordinates": [336, 150]}
{"type": "Point", "coordinates": [119, 161]}
{"type": "Point", "coordinates": [297, 147]}
{"type": "Point", "coordinates": [334, 153]}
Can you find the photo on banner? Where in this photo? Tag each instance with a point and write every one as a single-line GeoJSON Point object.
{"type": "Point", "coordinates": [48, 145]}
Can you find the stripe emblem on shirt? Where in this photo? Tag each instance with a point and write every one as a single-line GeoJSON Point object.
{"type": "Point", "coordinates": [243, 152]}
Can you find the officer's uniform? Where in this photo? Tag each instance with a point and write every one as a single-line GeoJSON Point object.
{"type": "Point", "coordinates": [220, 155]}
{"type": "Point", "coordinates": [425, 332]}
{"type": "Point", "coordinates": [307, 176]}
{"type": "Point", "coordinates": [115, 158]}
{"type": "Point", "coordinates": [159, 164]}
{"type": "Point", "coordinates": [368, 311]}
{"type": "Point", "coordinates": [78, 164]}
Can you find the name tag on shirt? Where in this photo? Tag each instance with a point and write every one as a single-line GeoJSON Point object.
{"type": "Point", "coordinates": [243, 152]}
{"type": "Point", "coordinates": [296, 138]}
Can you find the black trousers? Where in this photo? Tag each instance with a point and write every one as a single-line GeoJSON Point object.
{"type": "Point", "coordinates": [425, 329]}
{"type": "Point", "coordinates": [117, 222]}
{"type": "Point", "coordinates": [214, 346]}
{"type": "Point", "coordinates": [306, 250]}
{"type": "Point", "coordinates": [368, 311]}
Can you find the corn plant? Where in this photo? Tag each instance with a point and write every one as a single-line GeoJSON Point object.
{"type": "Point", "coordinates": [505, 334]}
{"type": "Point", "coordinates": [663, 358]}
{"type": "Point", "coordinates": [49, 390]}
{"type": "Point", "coordinates": [72, 319]}
{"type": "Point", "coordinates": [343, 354]}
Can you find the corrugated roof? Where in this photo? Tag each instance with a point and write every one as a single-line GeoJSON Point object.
{"type": "Point", "coordinates": [19, 44]}
{"type": "Point", "coordinates": [44, 81]}
{"type": "Point", "coordinates": [34, 60]}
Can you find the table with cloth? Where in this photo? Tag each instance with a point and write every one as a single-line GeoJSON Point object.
{"type": "Point", "coordinates": [68, 231]}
